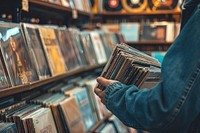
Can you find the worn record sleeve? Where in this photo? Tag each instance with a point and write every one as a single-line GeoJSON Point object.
{"type": "Point", "coordinates": [73, 116]}
{"type": "Point", "coordinates": [65, 44]}
{"type": "Point", "coordinates": [121, 71]}
{"type": "Point", "coordinates": [42, 121]}
{"type": "Point", "coordinates": [52, 51]}
{"type": "Point", "coordinates": [82, 99]}
{"type": "Point", "coordinates": [71, 55]}
{"type": "Point", "coordinates": [98, 47]}
{"type": "Point", "coordinates": [88, 48]}
{"type": "Point", "coordinates": [117, 67]}
{"type": "Point", "coordinates": [16, 55]}
{"type": "Point", "coordinates": [36, 50]}
{"type": "Point", "coordinates": [8, 128]}
{"type": "Point", "coordinates": [5, 79]}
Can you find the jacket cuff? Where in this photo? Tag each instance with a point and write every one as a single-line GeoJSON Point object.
{"type": "Point", "coordinates": [109, 90]}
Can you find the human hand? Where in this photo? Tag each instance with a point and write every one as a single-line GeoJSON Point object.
{"type": "Point", "coordinates": [103, 82]}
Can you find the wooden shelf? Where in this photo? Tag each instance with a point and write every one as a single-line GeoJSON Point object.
{"type": "Point", "coordinates": [51, 6]}
{"type": "Point", "coordinates": [14, 90]}
{"type": "Point", "coordinates": [139, 13]}
{"type": "Point", "coordinates": [149, 43]}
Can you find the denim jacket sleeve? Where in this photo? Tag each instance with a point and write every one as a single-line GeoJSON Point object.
{"type": "Point", "coordinates": [172, 105]}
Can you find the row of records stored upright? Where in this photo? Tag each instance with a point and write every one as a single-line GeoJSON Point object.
{"type": "Point", "coordinates": [32, 52]}
{"type": "Point", "coordinates": [67, 107]}
{"type": "Point", "coordinates": [35, 52]}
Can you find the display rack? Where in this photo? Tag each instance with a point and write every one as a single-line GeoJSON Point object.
{"type": "Point", "coordinates": [22, 88]}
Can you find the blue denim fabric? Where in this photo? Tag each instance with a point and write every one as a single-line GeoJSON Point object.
{"type": "Point", "coordinates": [174, 103]}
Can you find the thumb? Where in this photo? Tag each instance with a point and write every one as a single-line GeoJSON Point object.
{"type": "Point", "coordinates": [104, 82]}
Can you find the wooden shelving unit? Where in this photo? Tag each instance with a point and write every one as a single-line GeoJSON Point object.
{"type": "Point", "coordinates": [43, 4]}
{"type": "Point", "coordinates": [145, 13]}
{"type": "Point", "coordinates": [22, 88]}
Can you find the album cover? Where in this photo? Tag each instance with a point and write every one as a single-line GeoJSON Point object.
{"type": "Point", "coordinates": [82, 98]}
{"type": "Point", "coordinates": [98, 47]}
{"type": "Point", "coordinates": [75, 34]}
{"type": "Point", "coordinates": [151, 32]}
{"type": "Point", "coordinates": [34, 43]}
{"type": "Point", "coordinates": [5, 79]}
{"type": "Point", "coordinates": [41, 121]}
{"type": "Point", "coordinates": [71, 111]}
{"type": "Point", "coordinates": [107, 47]}
{"type": "Point", "coordinates": [16, 55]}
{"type": "Point", "coordinates": [130, 31]}
{"type": "Point", "coordinates": [8, 128]}
{"type": "Point", "coordinates": [67, 44]}
{"type": "Point", "coordinates": [19, 116]}
{"type": "Point", "coordinates": [98, 107]}
{"type": "Point", "coordinates": [88, 48]}
{"type": "Point", "coordinates": [52, 51]}
{"type": "Point", "coordinates": [60, 119]}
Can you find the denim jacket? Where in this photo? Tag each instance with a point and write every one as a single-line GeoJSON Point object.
{"type": "Point", "coordinates": [173, 105]}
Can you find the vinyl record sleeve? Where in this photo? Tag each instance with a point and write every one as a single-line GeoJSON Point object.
{"type": "Point", "coordinates": [82, 99]}
{"type": "Point", "coordinates": [16, 55]}
{"type": "Point", "coordinates": [72, 112]}
{"type": "Point", "coordinates": [52, 50]}
{"type": "Point", "coordinates": [41, 121]}
{"type": "Point", "coordinates": [134, 71]}
{"type": "Point", "coordinates": [36, 50]}
{"type": "Point", "coordinates": [98, 47]}
{"type": "Point", "coordinates": [88, 48]}
{"type": "Point", "coordinates": [5, 79]}
{"type": "Point", "coordinates": [8, 128]}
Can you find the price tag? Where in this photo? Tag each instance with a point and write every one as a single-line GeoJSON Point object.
{"type": "Point", "coordinates": [25, 5]}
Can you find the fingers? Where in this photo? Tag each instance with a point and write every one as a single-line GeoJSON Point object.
{"type": "Point", "coordinates": [100, 94]}
{"type": "Point", "coordinates": [104, 82]}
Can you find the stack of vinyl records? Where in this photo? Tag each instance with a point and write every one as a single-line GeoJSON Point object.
{"type": "Point", "coordinates": [132, 67]}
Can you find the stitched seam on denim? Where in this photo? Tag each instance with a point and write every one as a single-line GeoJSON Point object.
{"type": "Point", "coordinates": [108, 91]}
{"type": "Point", "coordinates": [181, 100]}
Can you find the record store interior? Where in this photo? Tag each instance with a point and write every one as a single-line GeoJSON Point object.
{"type": "Point", "coordinates": [53, 51]}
